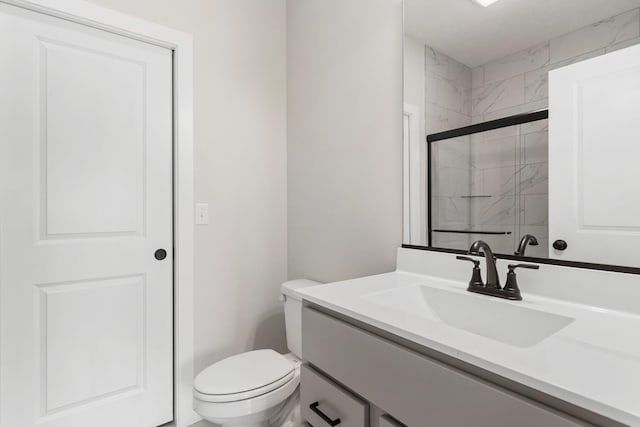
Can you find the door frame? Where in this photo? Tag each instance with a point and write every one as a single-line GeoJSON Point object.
{"type": "Point", "coordinates": [181, 44]}
{"type": "Point", "coordinates": [415, 202]}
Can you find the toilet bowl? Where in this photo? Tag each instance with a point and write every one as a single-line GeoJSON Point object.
{"type": "Point", "coordinates": [249, 389]}
{"type": "Point", "coordinates": [257, 388]}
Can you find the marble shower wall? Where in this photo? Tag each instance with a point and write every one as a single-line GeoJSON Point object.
{"type": "Point", "coordinates": [447, 106]}
{"type": "Point", "coordinates": [448, 85]}
{"type": "Point", "coordinates": [516, 84]}
{"type": "Point", "coordinates": [509, 185]}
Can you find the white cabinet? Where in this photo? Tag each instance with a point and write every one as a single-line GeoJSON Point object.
{"type": "Point", "coordinates": [594, 159]}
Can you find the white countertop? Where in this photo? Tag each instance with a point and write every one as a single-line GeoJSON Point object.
{"type": "Point", "coordinates": [593, 363]}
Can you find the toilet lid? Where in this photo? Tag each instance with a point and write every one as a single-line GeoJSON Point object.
{"type": "Point", "coordinates": [248, 374]}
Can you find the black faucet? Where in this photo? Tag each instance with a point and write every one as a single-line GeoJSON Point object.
{"type": "Point", "coordinates": [492, 287]}
{"type": "Point", "coordinates": [493, 281]}
{"type": "Point", "coordinates": [527, 239]}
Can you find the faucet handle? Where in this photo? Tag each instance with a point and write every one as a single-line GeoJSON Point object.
{"type": "Point", "coordinates": [530, 266]}
{"type": "Point", "coordinates": [475, 262]}
{"type": "Point", "coordinates": [511, 286]}
{"type": "Point", "coordinates": [476, 276]}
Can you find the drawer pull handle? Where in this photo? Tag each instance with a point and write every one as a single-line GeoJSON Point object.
{"type": "Point", "coordinates": [318, 412]}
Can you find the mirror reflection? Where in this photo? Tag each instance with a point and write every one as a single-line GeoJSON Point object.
{"type": "Point", "coordinates": [490, 185]}
{"type": "Point", "coordinates": [467, 65]}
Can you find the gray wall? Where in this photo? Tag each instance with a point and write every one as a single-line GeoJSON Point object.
{"type": "Point", "coordinates": [344, 81]}
{"type": "Point", "coordinates": [240, 166]}
{"type": "Point", "coordinates": [344, 155]}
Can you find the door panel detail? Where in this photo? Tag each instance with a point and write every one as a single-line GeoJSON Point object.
{"type": "Point", "coordinates": [78, 364]}
{"type": "Point", "coordinates": [92, 122]}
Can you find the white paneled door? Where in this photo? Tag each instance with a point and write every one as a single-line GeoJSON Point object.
{"type": "Point", "coordinates": [594, 159]}
{"type": "Point", "coordinates": [85, 209]}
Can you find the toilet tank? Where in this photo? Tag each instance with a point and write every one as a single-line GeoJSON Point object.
{"type": "Point", "coordinates": [293, 312]}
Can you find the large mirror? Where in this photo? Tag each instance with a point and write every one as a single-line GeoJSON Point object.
{"type": "Point", "coordinates": [476, 100]}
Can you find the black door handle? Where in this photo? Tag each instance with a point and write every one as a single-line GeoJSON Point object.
{"type": "Point", "coordinates": [325, 418]}
{"type": "Point", "coordinates": [560, 245]}
{"type": "Point", "coordinates": [160, 254]}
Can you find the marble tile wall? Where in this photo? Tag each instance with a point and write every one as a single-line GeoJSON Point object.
{"type": "Point", "coordinates": [447, 106]}
{"type": "Point", "coordinates": [495, 167]}
{"type": "Point", "coordinates": [509, 180]}
{"type": "Point", "coordinates": [447, 92]}
{"type": "Point", "coordinates": [518, 82]}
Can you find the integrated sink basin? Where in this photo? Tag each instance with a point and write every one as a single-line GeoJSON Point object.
{"type": "Point", "coordinates": [505, 321]}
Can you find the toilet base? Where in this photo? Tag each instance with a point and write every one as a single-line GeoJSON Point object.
{"type": "Point", "coordinates": [285, 414]}
{"type": "Point", "coordinates": [289, 414]}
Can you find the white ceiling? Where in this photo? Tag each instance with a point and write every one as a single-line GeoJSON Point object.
{"type": "Point", "coordinates": [475, 35]}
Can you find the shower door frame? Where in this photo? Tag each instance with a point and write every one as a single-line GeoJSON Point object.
{"type": "Point", "coordinates": [515, 120]}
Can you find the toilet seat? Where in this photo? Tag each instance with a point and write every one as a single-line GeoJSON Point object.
{"type": "Point", "coordinates": [261, 407]}
{"type": "Point", "coordinates": [244, 395]}
{"type": "Point", "coordinates": [244, 376]}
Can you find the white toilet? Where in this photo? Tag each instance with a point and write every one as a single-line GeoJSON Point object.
{"type": "Point", "coordinates": [258, 388]}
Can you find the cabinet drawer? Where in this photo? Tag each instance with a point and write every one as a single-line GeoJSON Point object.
{"type": "Point", "coordinates": [324, 404]}
{"type": "Point", "coordinates": [417, 390]}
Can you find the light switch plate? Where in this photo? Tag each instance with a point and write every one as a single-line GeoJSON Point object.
{"type": "Point", "coordinates": [202, 213]}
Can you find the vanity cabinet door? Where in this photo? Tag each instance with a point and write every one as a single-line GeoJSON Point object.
{"type": "Point", "coordinates": [323, 403]}
{"type": "Point", "coordinates": [417, 390]}
{"type": "Point", "coordinates": [388, 421]}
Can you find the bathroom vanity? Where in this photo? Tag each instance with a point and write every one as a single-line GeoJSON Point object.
{"type": "Point", "coordinates": [413, 347]}
{"type": "Point", "coordinates": [419, 389]}
{"type": "Point", "coordinates": [416, 349]}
